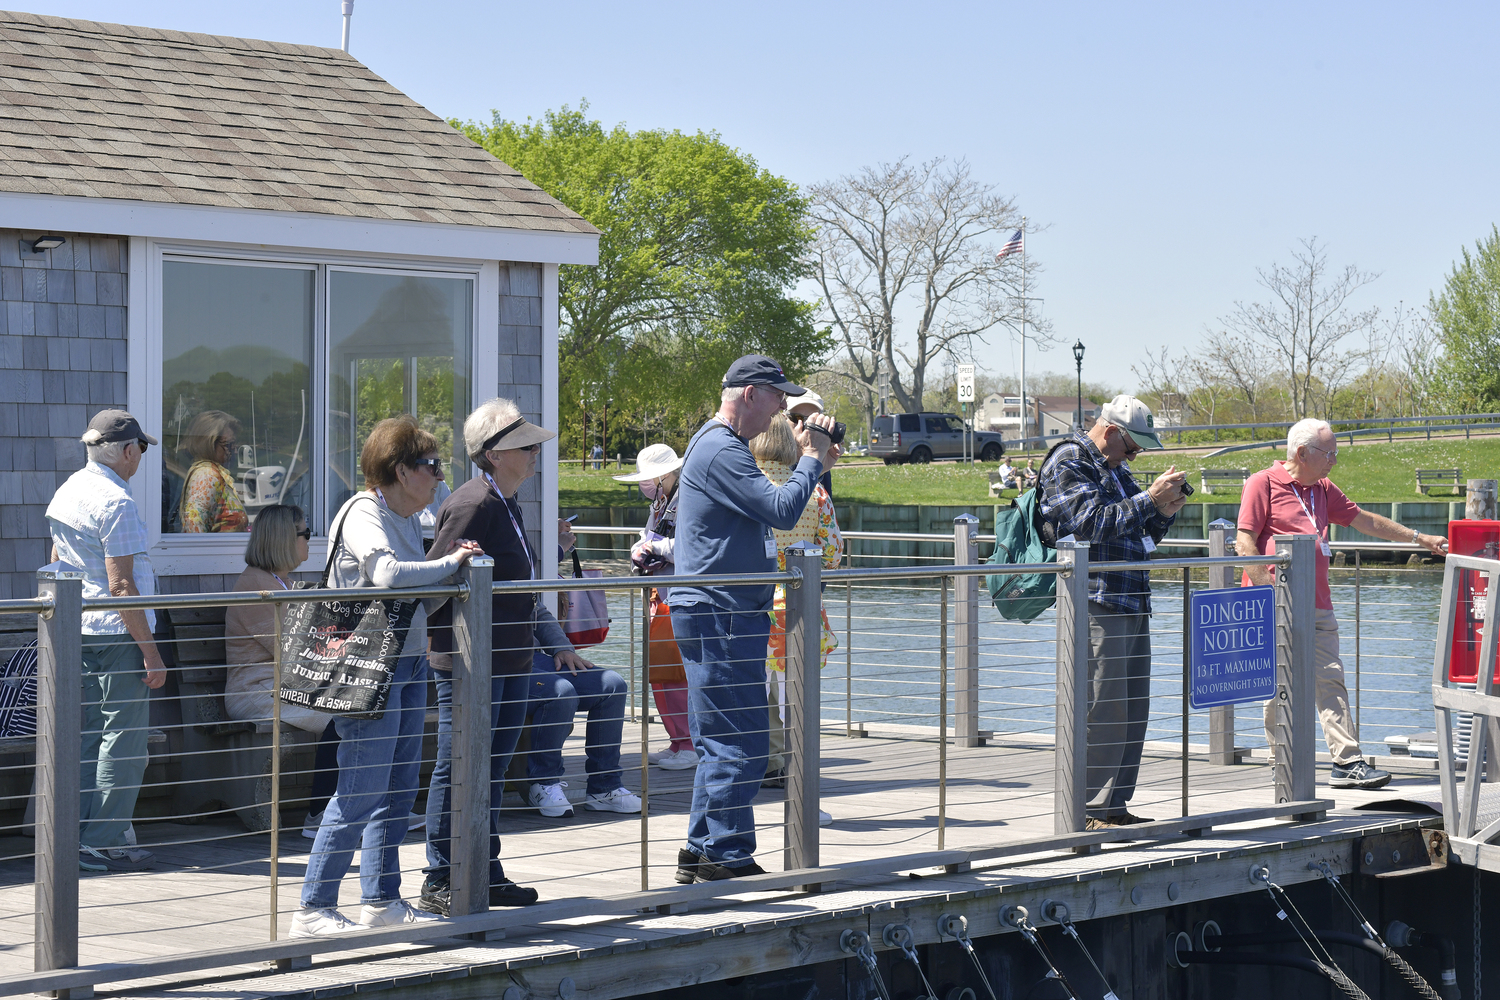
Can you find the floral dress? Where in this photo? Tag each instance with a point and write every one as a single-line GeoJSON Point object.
{"type": "Point", "coordinates": [819, 526]}
{"type": "Point", "coordinates": [209, 500]}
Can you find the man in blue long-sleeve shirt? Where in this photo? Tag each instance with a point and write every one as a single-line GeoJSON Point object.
{"type": "Point", "coordinates": [1086, 495]}
{"type": "Point", "coordinates": [725, 514]}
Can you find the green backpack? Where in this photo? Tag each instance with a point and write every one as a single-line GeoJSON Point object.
{"type": "Point", "coordinates": [1019, 540]}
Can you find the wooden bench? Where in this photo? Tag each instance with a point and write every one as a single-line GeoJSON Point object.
{"type": "Point", "coordinates": [225, 764]}
{"type": "Point", "coordinates": [1223, 477]}
{"type": "Point", "coordinates": [1445, 479]}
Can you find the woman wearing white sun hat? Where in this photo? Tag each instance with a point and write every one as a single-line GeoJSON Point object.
{"type": "Point", "coordinates": [798, 409]}
{"type": "Point", "coordinates": [656, 469]}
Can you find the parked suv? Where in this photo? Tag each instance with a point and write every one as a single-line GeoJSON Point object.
{"type": "Point", "coordinates": [922, 437]}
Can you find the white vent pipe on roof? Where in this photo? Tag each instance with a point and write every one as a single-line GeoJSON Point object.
{"type": "Point", "coordinates": [348, 13]}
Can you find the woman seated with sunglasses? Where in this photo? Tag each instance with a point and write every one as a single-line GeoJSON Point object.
{"type": "Point", "coordinates": [278, 545]}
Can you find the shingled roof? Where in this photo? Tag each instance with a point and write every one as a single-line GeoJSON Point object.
{"type": "Point", "coordinates": [94, 110]}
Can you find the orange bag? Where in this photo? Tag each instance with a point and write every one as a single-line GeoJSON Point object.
{"type": "Point", "coordinates": [666, 659]}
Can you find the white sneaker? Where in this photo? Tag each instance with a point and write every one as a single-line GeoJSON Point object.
{"type": "Point", "coordinates": [825, 818]}
{"type": "Point", "coordinates": [621, 800]}
{"type": "Point", "coordinates": [398, 911]}
{"type": "Point", "coordinates": [310, 825]}
{"type": "Point", "coordinates": [316, 923]}
{"type": "Point", "coordinates": [681, 760]}
{"type": "Point", "coordinates": [551, 800]}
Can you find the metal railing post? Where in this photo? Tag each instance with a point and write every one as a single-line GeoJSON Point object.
{"type": "Point", "coordinates": [966, 633]}
{"type": "Point", "coordinates": [473, 637]}
{"type": "Point", "coordinates": [1221, 717]}
{"type": "Point", "coordinates": [59, 738]}
{"type": "Point", "coordinates": [804, 632]}
{"type": "Point", "coordinates": [1070, 766]}
{"type": "Point", "coordinates": [1295, 709]}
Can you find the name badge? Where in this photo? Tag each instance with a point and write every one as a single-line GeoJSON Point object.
{"type": "Point", "coordinates": [1149, 544]}
{"type": "Point", "coordinates": [770, 548]}
{"type": "Point", "coordinates": [1327, 549]}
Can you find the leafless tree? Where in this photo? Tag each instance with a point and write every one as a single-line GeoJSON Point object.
{"type": "Point", "coordinates": [1159, 373]}
{"type": "Point", "coordinates": [1306, 320]}
{"type": "Point", "coordinates": [905, 261]}
{"type": "Point", "coordinates": [1246, 365]}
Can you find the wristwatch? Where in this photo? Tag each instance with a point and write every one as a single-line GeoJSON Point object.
{"type": "Point", "coordinates": [1415, 534]}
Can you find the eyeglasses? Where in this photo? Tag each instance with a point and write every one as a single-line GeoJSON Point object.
{"type": "Point", "coordinates": [230, 443]}
{"type": "Point", "coordinates": [305, 534]}
{"type": "Point", "coordinates": [435, 464]}
{"type": "Point", "coordinates": [1334, 454]}
{"type": "Point", "coordinates": [1131, 448]}
{"type": "Point", "coordinates": [142, 444]}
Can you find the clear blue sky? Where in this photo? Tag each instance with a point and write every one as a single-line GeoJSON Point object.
{"type": "Point", "coordinates": [1170, 149]}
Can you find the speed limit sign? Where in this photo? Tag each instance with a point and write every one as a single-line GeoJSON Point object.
{"type": "Point", "coordinates": [966, 383]}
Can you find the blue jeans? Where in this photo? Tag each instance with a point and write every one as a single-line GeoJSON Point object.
{"type": "Point", "coordinates": [724, 655]}
{"type": "Point", "coordinates": [377, 784]}
{"type": "Point", "coordinates": [116, 716]}
{"type": "Point", "coordinates": [507, 713]}
{"type": "Point", "coordinates": [556, 695]}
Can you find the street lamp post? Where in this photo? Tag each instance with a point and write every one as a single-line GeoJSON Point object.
{"type": "Point", "coordinates": [1078, 357]}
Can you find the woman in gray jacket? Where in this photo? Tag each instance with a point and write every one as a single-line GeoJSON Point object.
{"type": "Point", "coordinates": [380, 545]}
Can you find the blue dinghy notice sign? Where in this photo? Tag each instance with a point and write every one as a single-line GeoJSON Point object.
{"type": "Point", "coordinates": [1234, 646]}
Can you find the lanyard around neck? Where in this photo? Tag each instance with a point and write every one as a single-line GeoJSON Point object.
{"type": "Point", "coordinates": [1311, 514]}
{"type": "Point", "coordinates": [525, 545]}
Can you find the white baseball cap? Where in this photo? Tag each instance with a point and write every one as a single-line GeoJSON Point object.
{"type": "Point", "coordinates": [1134, 416]}
{"type": "Point", "coordinates": [807, 399]}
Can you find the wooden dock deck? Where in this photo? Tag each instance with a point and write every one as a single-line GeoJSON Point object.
{"type": "Point", "coordinates": [211, 888]}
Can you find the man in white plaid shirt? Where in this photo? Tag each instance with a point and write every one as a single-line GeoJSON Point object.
{"type": "Point", "coordinates": [97, 529]}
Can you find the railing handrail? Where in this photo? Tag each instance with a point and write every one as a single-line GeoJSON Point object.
{"type": "Point", "coordinates": [792, 577]}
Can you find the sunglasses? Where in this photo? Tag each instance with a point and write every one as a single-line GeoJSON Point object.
{"type": "Point", "coordinates": [143, 445]}
{"type": "Point", "coordinates": [436, 464]}
{"type": "Point", "coordinates": [305, 534]}
{"type": "Point", "coordinates": [1131, 448]}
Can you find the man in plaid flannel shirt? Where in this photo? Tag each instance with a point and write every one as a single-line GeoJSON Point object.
{"type": "Point", "coordinates": [1086, 496]}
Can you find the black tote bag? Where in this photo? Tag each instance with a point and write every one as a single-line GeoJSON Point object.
{"type": "Point", "coordinates": [339, 656]}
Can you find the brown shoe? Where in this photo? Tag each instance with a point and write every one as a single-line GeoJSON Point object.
{"type": "Point", "coordinates": [1096, 823]}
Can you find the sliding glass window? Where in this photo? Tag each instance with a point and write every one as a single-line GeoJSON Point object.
{"type": "Point", "coordinates": [398, 343]}
{"type": "Point", "coordinates": [237, 400]}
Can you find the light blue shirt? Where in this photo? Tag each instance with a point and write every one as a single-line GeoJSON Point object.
{"type": "Point", "coordinates": [93, 517]}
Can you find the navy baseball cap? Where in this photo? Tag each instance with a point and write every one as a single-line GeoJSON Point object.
{"type": "Point", "coordinates": [757, 369]}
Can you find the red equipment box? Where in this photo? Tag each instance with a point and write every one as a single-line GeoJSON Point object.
{"type": "Point", "coordinates": [1471, 538]}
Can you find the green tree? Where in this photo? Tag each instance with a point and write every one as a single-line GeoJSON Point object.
{"type": "Point", "coordinates": [1467, 317]}
{"type": "Point", "coordinates": [698, 253]}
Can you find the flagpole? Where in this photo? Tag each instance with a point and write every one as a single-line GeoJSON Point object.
{"type": "Point", "coordinates": [1024, 442]}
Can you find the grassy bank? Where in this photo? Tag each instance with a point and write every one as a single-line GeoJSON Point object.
{"type": "Point", "coordinates": [1370, 472]}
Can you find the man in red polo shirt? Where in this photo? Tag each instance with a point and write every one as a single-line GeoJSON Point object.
{"type": "Point", "coordinates": [1296, 497]}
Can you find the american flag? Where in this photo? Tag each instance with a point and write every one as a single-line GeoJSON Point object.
{"type": "Point", "coordinates": [1016, 244]}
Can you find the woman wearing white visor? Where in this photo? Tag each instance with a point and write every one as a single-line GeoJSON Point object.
{"type": "Point", "coordinates": [656, 469]}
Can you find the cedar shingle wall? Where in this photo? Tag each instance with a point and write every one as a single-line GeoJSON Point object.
{"type": "Point", "coordinates": [62, 358]}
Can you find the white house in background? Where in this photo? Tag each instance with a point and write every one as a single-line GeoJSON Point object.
{"type": "Point", "coordinates": [265, 229]}
{"type": "Point", "coordinates": [1050, 416]}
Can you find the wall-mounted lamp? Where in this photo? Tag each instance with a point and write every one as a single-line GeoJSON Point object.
{"type": "Point", "coordinates": [42, 244]}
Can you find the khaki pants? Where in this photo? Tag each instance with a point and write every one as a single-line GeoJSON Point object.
{"type": "Point", "coordinates": [1330, 691]}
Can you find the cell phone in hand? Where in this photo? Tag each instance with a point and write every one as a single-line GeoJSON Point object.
{"type": "Point", "coordinates": [571, 518]}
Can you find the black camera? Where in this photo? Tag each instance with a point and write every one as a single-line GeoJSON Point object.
{"type": "Point", "coordinates": [836, 435]}
{"type": "Point", "coordinates": [1187, 488]}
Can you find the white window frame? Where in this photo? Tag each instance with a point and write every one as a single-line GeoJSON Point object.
{"type": "Point", "coordinates": [179, 554]}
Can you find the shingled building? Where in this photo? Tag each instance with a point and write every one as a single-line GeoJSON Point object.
{"type": "Point", "coordinates": [193, 223]}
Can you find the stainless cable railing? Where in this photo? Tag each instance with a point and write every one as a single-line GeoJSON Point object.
{"type": "Point", "coordinates": [936, 671]}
